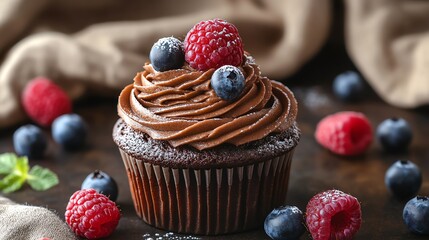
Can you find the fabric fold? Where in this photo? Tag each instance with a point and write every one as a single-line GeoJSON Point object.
{"type": "Point", "coordinates": [389, 43]}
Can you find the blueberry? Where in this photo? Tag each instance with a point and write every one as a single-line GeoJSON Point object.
{"type": "Point", "coordinates": [394, 134]}
{"type": "Point", "coordinates": [102, 183]}
{"type": "Point", "coordinates": [70, 131]}
{"type": "Point", "coordinates": [29, 141]}
{"type": "Point", "coordinates": [403, 179]}
{"type": "Point", "coordinates": [228, 82]}
{"type": "Point", "coordinates": [416, 215]}
{"type": "Point", "coordinates": [285, 223]}
{"type": "Point", "coordinates": [348, 86]}
{"type": "Point", "coordinates": [166, 54]}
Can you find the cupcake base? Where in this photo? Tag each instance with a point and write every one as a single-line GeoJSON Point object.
{"type": "Point", "coordinates": [216, 191]}
{"type": "Point", "coordinates": [211, 201]}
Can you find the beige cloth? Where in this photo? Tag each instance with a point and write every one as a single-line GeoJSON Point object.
{"type": "Point", "coordinates": [388, 40]}
{"type": "Point", "coordinates": [97, 46]}
{"type": "Point", "coordinates": [23, 222]}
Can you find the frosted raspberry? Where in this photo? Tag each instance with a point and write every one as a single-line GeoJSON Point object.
{"type": "Point", "coordinates": [345, 133]}
{"type": "Point", "coordinates": [212, 44]}
{"type": "Point", "coordinates": [91, 215]}
{"type": "Point", "coordinates": [333, 215]}
{"type": "Point", "coordinates": [44, 101]}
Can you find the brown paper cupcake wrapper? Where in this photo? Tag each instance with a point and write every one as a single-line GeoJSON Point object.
{"type": "Point", "coordinates": [210, 202]}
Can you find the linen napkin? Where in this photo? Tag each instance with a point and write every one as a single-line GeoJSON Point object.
{"type": "Point", "coordinates": [22, 222]}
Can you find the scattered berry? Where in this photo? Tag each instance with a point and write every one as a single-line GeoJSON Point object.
{"type": "Point", "coordinates": [70, 131]}
{"type": "Point", "coordinates": [333, 215]}
{"type": "Point", "coordinates": [345, 133]}
{"type": "Point", "coordinates": [416, 215]}
{"type": "Point", "coordinates": [102, 183]}
{"type": "Point", "coordinates": [228, 82]}
{"type": "Point", "coordinates": [91, 215]}
{"type": "Point", "coordinates": [166, 54]}
{"type": "Point", "coordinates": [212, 44]}
{"type": "Point", "coordinates": [29, 141]}
{"type": "Point", "coordinates": [285, 223]}
{"type": "Point", "coordinates": [394, 134]}
{"type": "Point", "coordinates": [44, 101]}
{"type": "Point", "coordinates": [403, 179]}
{"type": "Point", "coordinates": [348, 86]}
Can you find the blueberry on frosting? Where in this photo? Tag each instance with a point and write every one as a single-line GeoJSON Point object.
{"type": "Point", "coordinates": [228, 82]}
{"type": "Point", "coordinates": [167, 54]}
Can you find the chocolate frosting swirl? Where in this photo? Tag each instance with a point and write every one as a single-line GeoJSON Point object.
{"type": "Point", "coordinates": [179, 106]}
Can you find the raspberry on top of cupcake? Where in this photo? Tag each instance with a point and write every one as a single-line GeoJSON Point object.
{"type": "Point", "coordinates": [206, 91]}
{"type": "Point", "coordinates": [212, 44]}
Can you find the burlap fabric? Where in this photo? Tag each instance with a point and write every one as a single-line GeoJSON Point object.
{"type": "Point", "coordinates": [388, 40]}
{"type": "Point", "coordinates": [24, 222]}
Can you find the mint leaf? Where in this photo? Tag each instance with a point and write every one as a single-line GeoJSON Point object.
{"type": "Point", "coordinates": [7, 163]}
{"type": "Point", "coordinates": [22, 167]}
{"type": "Point", "coordinates": [11, 183]}
{"type": "Point", "coordinates": [41, 179]}
{"type": "Point", "coordinates": [17, 171]}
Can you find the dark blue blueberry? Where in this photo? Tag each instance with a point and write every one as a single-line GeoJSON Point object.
{"type": "Point", "coordinates": [167, 54]}
{"type": "Point", "coordinates": [29, 141]}
{"type": "Point", "coordinates": [394, 134]}
{"type": "Point", "coordinates": [403, 179]}
{"type": "Point", "coordinates": [102, 183]}
{"type": "Point", "coordinates": [228, 82]}
{"type": "Point", "coordinates": [348, 86]}
{"type": "Point", "coordinates": [416, 215]}
{"type": "Point", "coordinates": [285, 223]}
{"type": "Point", "coordinates": [70, 131]}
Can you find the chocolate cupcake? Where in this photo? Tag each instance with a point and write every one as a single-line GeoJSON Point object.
{"type": "Point", "coordinates": [207, 147]}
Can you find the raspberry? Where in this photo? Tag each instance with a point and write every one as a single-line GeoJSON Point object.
{"type": "Point", "coordinates": [91, 215]}
{"type": "Point", "coordinates": [44, 101]}
{"type": "Point", "coordinates": [212, 44]}
{"type": "Point", "coordinates": [344, 133]}
{"type": "Point", "coordinates": [333, 215]}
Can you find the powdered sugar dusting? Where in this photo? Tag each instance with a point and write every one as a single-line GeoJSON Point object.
{"type": "Point", "coordinates": [168, 236]}
{"type": "Point", "coordinates": [331, 195]}
{"type": "Point", "coordinates": [171, 44]}
{"type": "Point", "coordinates": [295, 210]}
{"type": "Point", "coordinates": [229, 68]}
{"type": "Point", "coordinates": [250, 59]}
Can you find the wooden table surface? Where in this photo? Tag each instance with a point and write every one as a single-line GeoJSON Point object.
{"type": "Point", "coordinates": [313, 169]}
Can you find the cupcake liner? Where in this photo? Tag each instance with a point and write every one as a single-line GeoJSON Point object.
{"type": "Point", "coordinates": [207, 201]}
